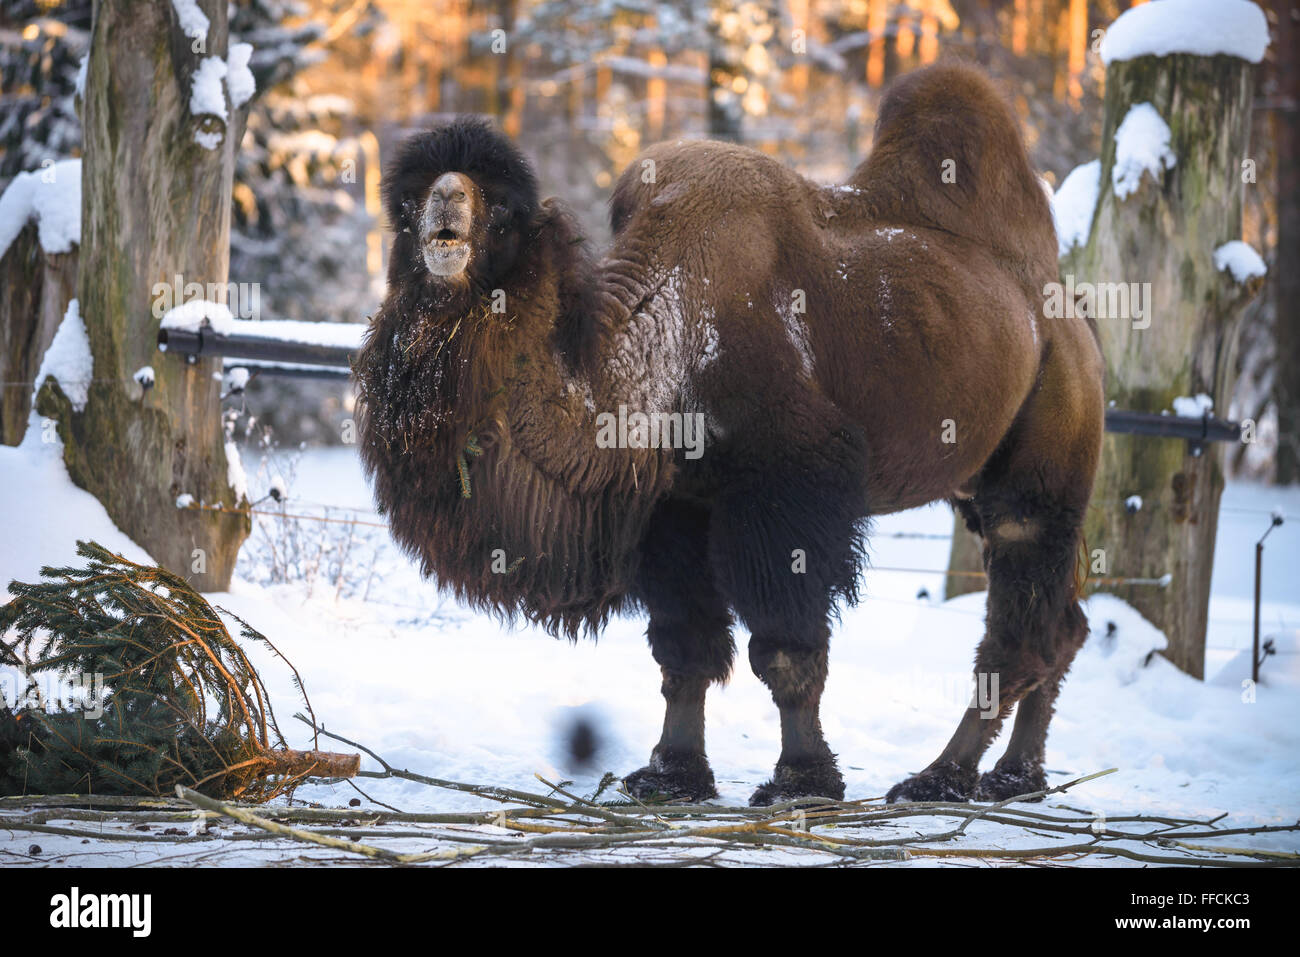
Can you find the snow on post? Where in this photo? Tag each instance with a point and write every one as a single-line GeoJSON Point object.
{"type": "Point", "coordinates": [68, 360]}
{"type": "Point", "coordinates": [1240, 260]}
{"type": "Point", "coordinates": [1193, 406]}
{"type": "Point", "coordinates": [1179, 87]}
{"type": "Point", "coordinates": [194, 22]}
{"type": "Point", "coordinates": [1199, 27]}
{"type": "Point", "coordinates": [50, 196]}
{"type": "Point", "coordinates": [1073, 205]}
{"type": "Point", "coordinates": [239, 78]}
{"type": "Point", "coordinates": [208, 98]}
{"type": "Point", "coordinates": [1141, 146]}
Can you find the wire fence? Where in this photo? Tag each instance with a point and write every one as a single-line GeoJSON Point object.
{"type": "Point", "coordinates": [351, 516]}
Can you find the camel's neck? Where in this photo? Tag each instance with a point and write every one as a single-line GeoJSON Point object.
{"type": "Point", "coordinates": [480, 431]}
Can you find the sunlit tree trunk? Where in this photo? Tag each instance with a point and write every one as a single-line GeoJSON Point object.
{"type": "Point", "coordinates": [155, 205]}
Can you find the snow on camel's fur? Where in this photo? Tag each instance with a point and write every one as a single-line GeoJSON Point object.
{"type": "Point", "coordinates": [850, 350]}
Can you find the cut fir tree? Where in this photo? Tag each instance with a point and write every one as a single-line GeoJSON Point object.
{"type": "Point", "coordinates": [158, 692]}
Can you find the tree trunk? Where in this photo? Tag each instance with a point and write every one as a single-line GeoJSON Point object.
{"type": "Point", "coordinates": [1165, 234]}
{"type": "Point", "coordinates": [723, 114]}
{"type": "Point", "coordinates": [1286, 269]}
{"type": "Point", "coordinates": [37, 288]}
{"type": "Point", "coordinates": [155, 205]}
{"type": "Point", "coordinates": [965, 560]}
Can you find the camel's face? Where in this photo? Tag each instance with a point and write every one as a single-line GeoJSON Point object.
{"type": "Point", "coordinates": [446, 225]}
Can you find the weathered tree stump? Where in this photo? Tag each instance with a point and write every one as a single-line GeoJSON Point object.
{"type": "Point", "coordinates": [1165, 233]}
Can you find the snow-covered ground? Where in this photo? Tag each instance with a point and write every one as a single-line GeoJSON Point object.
{"type": "Point", "coordinates": [441, 691]}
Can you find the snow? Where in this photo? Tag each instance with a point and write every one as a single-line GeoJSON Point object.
{"type": "Point", "coordinates": [1133, 504]}
{"type": "Point", "coordinates": [796, 332]}
{"type": "Point", "coordinates": [144, 375]}
{"type": "Point", "coordinates": [207, 97]}
{"type": "Point", "coordinates": [1193, 407]}
{"type": "Point", "coordinates": [191, 316]}
{"type": "Point", "coordinates": [82, 69]}
{"type": "Point", "coordinates": [68, 360]}
{"type": "Point", "coordinates": [185, 500]}
{"type": "Point", "coordinates": [239, 78]}
{"type": "Point", "coordinates": [1141, 146]}
{"type": "Point", "coordinates": [1239, 259]}
{"type": "Point", "coordinates": [445, 692]}
{"type": "Point", "coordinates": [1073, 205]}
{"type": "Point", "coordinates": [235, 380]}
{"type": "Point", "coordinates": [194, 22]}
{"type": "Point", "coordinates": [236, 477]}
{"type": "Point", "coordinates": [43, 513]}
{"type": "Point", "coordinates": [1200, 27]}
{"type": "Point", "coordinates": [52, 197]}
{"type": "Point", "coordinates": [438, 689]}
{"type": "Point", "coordinates": [345, 334]}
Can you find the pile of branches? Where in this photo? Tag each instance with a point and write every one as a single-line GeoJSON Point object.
{"type": "Point", "coordinates": [611, 827]}
{"type": "Point", "coordinates": [151, 691]}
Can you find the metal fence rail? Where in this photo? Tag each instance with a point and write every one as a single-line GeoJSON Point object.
{"type": "Point", "coordinates": [306, 360]}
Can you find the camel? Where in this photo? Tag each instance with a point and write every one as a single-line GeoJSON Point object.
{"type": "Point", "coordinates": [700, 423]}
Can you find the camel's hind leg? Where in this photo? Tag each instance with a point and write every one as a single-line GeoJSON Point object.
{"type": "Point", "coordinates": [1030, 502]}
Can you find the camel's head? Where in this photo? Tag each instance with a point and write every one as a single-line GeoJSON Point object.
{"type": "Point", "coordinates": [460, 199]}
{"type": "Point", "coordinates": [451, 218]}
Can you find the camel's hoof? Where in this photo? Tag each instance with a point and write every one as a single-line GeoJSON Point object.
{"type": "Point", "coordinates": [675, 778]}
{"type": "Point", "coordinates": [790, 781]}
{"type": "Point", "coordinates": [1011, 780]}
{"type": "Point", "coordinates": [940, 782]}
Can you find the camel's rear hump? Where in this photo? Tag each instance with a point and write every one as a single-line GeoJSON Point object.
{"type": "Point", "coordinates": [948, 155]}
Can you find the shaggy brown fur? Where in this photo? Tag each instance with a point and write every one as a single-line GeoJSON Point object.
{"type": "Point", "coordinates": [835, 341]}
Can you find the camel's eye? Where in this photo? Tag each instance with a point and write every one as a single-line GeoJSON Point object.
{"type": "Point", "coordinates": [458, 196]}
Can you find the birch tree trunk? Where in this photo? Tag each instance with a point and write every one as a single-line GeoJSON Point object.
{"type": "Point", "coordinates": [155, 205]}
{"type": "Point", "coordinates": [1165, 233]}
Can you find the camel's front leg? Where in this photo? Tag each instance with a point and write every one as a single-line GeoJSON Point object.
{"type": "Point", "coordinates": [690, 638]}
{"type": "Point", "coordinates": [678, 768]}
{"type": "Point", "coordinates": [796, 676]}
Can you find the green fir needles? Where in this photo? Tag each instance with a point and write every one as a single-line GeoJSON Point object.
{"type": "Point", "coordinates": [133, 686]}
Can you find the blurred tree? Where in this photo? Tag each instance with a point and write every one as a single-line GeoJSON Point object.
{"type": "Point", "coordinates": [41, 50]}
{"type": "Point", "coordinates": [1286, 269]}
{"type": "Point", "coordinates": [740, 64]}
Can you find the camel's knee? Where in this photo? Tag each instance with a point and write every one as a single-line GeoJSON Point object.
{"type": "Point", "coordinates": [700, 649]}
{"type": "Point", "coordinates": [795, 674]}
